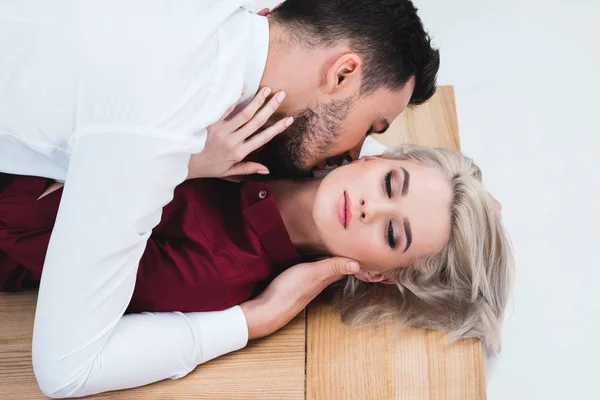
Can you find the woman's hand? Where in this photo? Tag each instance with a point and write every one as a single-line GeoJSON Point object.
{"type": "Point", "coordinates": [229, 141]}
{"type": "Point", "coordinates": [265, 11]}
{"type": "Point", "coordinates": [291, 292]}
{"type": "Point", "coordinates": [52, 188]}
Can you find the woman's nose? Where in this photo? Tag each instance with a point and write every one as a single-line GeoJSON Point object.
{"type": "Point", "coordinates": [370, 210]}
{"type": "Point", "coordinates": [363, 215]}
{"type": "Point", "coordinates": [367, 211]}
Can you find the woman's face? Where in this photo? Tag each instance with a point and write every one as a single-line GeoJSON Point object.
{"type": "Point", "coordinates": [383, 213]}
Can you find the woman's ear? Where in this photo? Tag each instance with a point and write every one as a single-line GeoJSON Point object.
{"type": "Point", "coordinates": [344, 72]}
{"type": "Point", "coordinates": [372, 277]}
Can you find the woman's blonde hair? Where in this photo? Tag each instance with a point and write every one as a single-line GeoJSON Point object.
{"type": "Point", "coordinates": [464, 288]}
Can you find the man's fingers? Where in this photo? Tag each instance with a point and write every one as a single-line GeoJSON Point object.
{"type": "Point", "coordinates": [249, 111]}
{"type": "Point", "coordinates": [261, 117]}
{"type": "Point", "coordinates": [344, 266]}
{"type": "Point", "coordinates": [336, 267]}
{"type": "Point", "coordinates": [260, 139]}
{"type": "Point", "coordinates": [291, 291]}
{"type": "Point", "coordinates": [247, 168]}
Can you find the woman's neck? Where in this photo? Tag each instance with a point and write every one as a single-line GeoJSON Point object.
{"type": "Point", "coordinates": [295, 201]}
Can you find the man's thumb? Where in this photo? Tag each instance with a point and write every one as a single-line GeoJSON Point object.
{"type": "Point", "coordinates": [343, 266]}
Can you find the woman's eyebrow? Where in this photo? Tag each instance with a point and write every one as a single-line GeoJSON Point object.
{"type": "Point", "coordinates": [406, 182]}
{"type": "Point", "coordinates": [407, 233]}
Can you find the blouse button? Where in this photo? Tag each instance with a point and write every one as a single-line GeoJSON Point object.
{"type": "Point", "coordinates": [262, 194]}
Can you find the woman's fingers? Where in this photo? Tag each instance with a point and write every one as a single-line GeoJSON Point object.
{"type": "Point", "coordinates": [228, 112]}
{"type": "Point", "coordinates": [261, 117]}
{"type": "Point", "coordinates": [249, 111]}
{"type": "Point", "coordinates": [240, 150]}
{"type": "Point", "coordinates": [247, 168]}
{"type": "Point", "coordinates": [258, 140]}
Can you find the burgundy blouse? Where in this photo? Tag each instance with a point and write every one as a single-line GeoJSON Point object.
{"type": "Point", "coordinates": [217, 245]}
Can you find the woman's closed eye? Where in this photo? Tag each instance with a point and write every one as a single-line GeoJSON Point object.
{"type": "Point", "coordinates": [388, 184]}
{"type": "Point", "coordinates": [390, 236]}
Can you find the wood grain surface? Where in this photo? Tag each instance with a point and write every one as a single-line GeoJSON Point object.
{"type": "Point", "coordinates": [382, 363]}
{"type": "Point", "coordinates": [431, 124]}
{"type": "Point", "coordinates": [271, 368]}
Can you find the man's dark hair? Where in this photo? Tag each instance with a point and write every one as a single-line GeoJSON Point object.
{"type": "Point", "coordinates": [387, 34]}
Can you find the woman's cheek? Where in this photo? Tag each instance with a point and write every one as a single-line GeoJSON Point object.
{"type": "Point", "coordinates": [365, 250]}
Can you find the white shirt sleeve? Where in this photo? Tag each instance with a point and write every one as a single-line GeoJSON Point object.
{"type": "Point", "coordinates": [115, 189]}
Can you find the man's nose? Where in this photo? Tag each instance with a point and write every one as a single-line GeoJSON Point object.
{"type": "Point", "coordinates": [354, 153]}
{"type": "Point", "coordinates": [335, 161]}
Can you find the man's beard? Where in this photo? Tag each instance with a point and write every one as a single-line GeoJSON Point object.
{"type": "Point", "coordinates": [307, 141]}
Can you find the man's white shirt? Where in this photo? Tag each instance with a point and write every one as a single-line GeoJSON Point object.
{"type": "Point", "coordinates": [113, 97]}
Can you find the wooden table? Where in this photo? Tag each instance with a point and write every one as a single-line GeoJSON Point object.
{"type": "Point", "coordinates": [315, 356]}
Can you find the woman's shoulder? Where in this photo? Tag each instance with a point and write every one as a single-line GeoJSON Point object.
{"type": "Point", "coordinates": [207, 192]}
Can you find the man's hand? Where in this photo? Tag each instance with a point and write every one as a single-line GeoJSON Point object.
{"type": "Point", "coordinates": [291, 292]}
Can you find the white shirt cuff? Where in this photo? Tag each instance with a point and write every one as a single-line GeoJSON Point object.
{"type": "Point", "coordinates": [221, 332]}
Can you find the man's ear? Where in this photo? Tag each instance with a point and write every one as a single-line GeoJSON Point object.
{"type": "Point", "coordinates": [343, 73]}
{"type": "Point", "coordinates": [371, 277]}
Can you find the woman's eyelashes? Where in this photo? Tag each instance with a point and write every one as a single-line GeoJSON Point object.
{"type": "Point", "coordinates": [388, 184]}
{"type": "Point", "coordinates": [389, 229]}
{"type": "Point", "coordinates": [391, 238]}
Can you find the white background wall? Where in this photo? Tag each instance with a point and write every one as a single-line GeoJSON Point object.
{"type": "Point", "coordinates": [527, 82]}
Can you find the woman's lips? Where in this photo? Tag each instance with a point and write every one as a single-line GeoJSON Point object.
{"type": "Point", "coordinates": [344, 210]}
{"type": "Point", "coordinates": [348, 209]}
